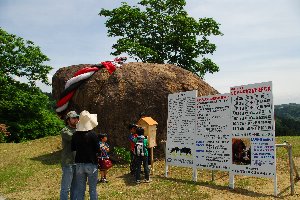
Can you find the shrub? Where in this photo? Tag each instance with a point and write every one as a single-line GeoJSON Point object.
{"type": "Point", "coordinates": [122, 153]}
{"type": "Point", "coordinates": [26, 111]}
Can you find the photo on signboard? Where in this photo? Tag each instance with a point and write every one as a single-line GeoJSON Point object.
{"type": "Point", "coordinates": [241, 151]}
{"type": "Point", "coordinates": [180, 151]}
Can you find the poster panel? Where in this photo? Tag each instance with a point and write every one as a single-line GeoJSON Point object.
{"type": "Point", "coordinates": [213, 132]}
{"type": "Point", "coordinates": [181, 128]}
{"type": "Point", "coordinates": [253, 130]}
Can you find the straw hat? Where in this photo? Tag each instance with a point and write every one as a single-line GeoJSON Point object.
{"type": "Point", "coordinates": [87, 121]}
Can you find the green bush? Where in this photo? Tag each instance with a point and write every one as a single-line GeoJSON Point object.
{"type": "Point", "coordinates": [26, 111]}
{"type": "Point", "coordinates": [123, 153]}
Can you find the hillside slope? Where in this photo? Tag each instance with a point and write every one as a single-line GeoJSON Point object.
{"type": "Point", "coordinates": [287, 119]}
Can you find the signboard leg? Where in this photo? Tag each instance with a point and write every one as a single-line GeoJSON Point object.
{"type": "Point", "coordinates": [166, 170]}
{"type": "Point", "coordinates": [275, 186]}
{"type": "Point", "coordinates": [195, 174]}
{"type": "Point", "coordinates": [231, 180]}
{"type": "Point", "coordinates": [212, 175]}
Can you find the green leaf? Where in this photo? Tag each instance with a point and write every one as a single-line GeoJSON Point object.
{"type": "Point", "coordinates": [160, 31]}
{"type": "Point", "coordinates": [22, 58]}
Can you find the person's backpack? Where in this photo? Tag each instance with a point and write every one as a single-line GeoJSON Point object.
{"type": "Point", "coordinates": [139, 148]}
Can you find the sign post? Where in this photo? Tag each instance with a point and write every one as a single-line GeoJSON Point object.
{"type": "Point", "coordinates": [232, 132]}
{"type": "Point", "coordinates": [181, 130]}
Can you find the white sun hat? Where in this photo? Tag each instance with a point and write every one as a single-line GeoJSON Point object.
{"type": "Point", "coordinates": [87, 121]}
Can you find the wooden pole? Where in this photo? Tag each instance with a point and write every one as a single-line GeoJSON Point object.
{"type": "Point", "coordinates": [291, 169]}
{"type": "Point", "coordinates": [296, 171]}
{"type": "Point", "coordinates": [152, 169]}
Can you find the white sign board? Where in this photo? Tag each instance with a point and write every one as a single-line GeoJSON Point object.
{"type": "Point", "coordinates": [181, 129]}
{"type": "Point", "coordinates": [231, 132]}
{"type": "Point", "coordinates": [213, 132]}
{"type": "Point", "coordinates": [253, 130]}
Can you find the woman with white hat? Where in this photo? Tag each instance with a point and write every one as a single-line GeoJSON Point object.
{"type": "Point", "coordinates": [86, 145]}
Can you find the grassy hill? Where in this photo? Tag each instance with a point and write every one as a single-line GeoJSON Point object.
{"type": "Point", "coordinates": [287, 119]}
{"type": "Point", "coordinates": [291, 110]}
{"type": "Point", "coordinates": [31, 170]}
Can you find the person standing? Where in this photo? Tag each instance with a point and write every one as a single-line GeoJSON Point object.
{"type": "Point", "coordinates": [141, 155]}
{"type": "Point", "coordinates": [85, 143]}
{"type": "Point", "coordinates": [103, 155]}
{"type": "Point", "coordinates": [68, 157]}
{"type": "Point", "coordinates": [132, 128]}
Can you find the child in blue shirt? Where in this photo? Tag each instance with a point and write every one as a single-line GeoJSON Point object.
{"type": "Point", "coordinates": [104, 149]}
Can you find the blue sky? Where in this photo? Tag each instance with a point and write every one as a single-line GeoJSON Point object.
{"type": "Point", "coordinates": [261, 39]}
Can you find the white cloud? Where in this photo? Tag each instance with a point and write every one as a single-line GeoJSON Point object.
{"type": "Point", "coordinates": [283, 73]}
{"type": "Point", "coordinates": [260, 43]}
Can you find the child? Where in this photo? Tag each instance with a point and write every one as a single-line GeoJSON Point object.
{"type": "Point", "coordinates": [141, 155]}
{"type": "Point", "coordinates": [104, 149]}
{"type": "Point", "coordinates": [132, 129]}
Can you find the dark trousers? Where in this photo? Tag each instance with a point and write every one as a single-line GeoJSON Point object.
{"type": "Point", "coordinates": [149, 156]}
{"type": "Point", "coordinates": [132, 163]}
{"type": "Point", "coordinates": [139, 161]}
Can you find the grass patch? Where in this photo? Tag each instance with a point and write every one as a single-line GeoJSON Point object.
{"type": "Point", "coordinates": [14, 177]}
{"type": "Point", "coordinates": [293, 140]}
{"type": "Point", "coordinates": [243, 183]}
{"type": "Point", "coordinates": [31, 170]}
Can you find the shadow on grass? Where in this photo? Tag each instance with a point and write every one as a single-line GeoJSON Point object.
{"type": "Point", "coordinates": [53, 158]}
{"type": "Point", "coordinates": [129, 179]}
{"type": "Point", "coordinates": [212, 185]}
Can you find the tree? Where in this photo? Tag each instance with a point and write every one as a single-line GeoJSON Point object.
{"type": "Point", "coordinates": [22, 58]}
{"type": "Point", "coordinates": [160, 31]}
{"type": "Point", "coordinates": [25, 112]}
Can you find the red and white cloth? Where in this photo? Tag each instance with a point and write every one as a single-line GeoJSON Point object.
{"type": "Point", "coordinates": [80, 76]}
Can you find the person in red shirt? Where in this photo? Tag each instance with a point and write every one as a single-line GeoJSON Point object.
{"type": "Point", "coordinates": [132, 129]}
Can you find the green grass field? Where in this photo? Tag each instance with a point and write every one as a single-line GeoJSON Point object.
{"type": "Point", "coordinates": [31, 170]}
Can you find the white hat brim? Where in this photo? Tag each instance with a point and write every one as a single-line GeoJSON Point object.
{"type": "Point", "coordinates": [87, 121]}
